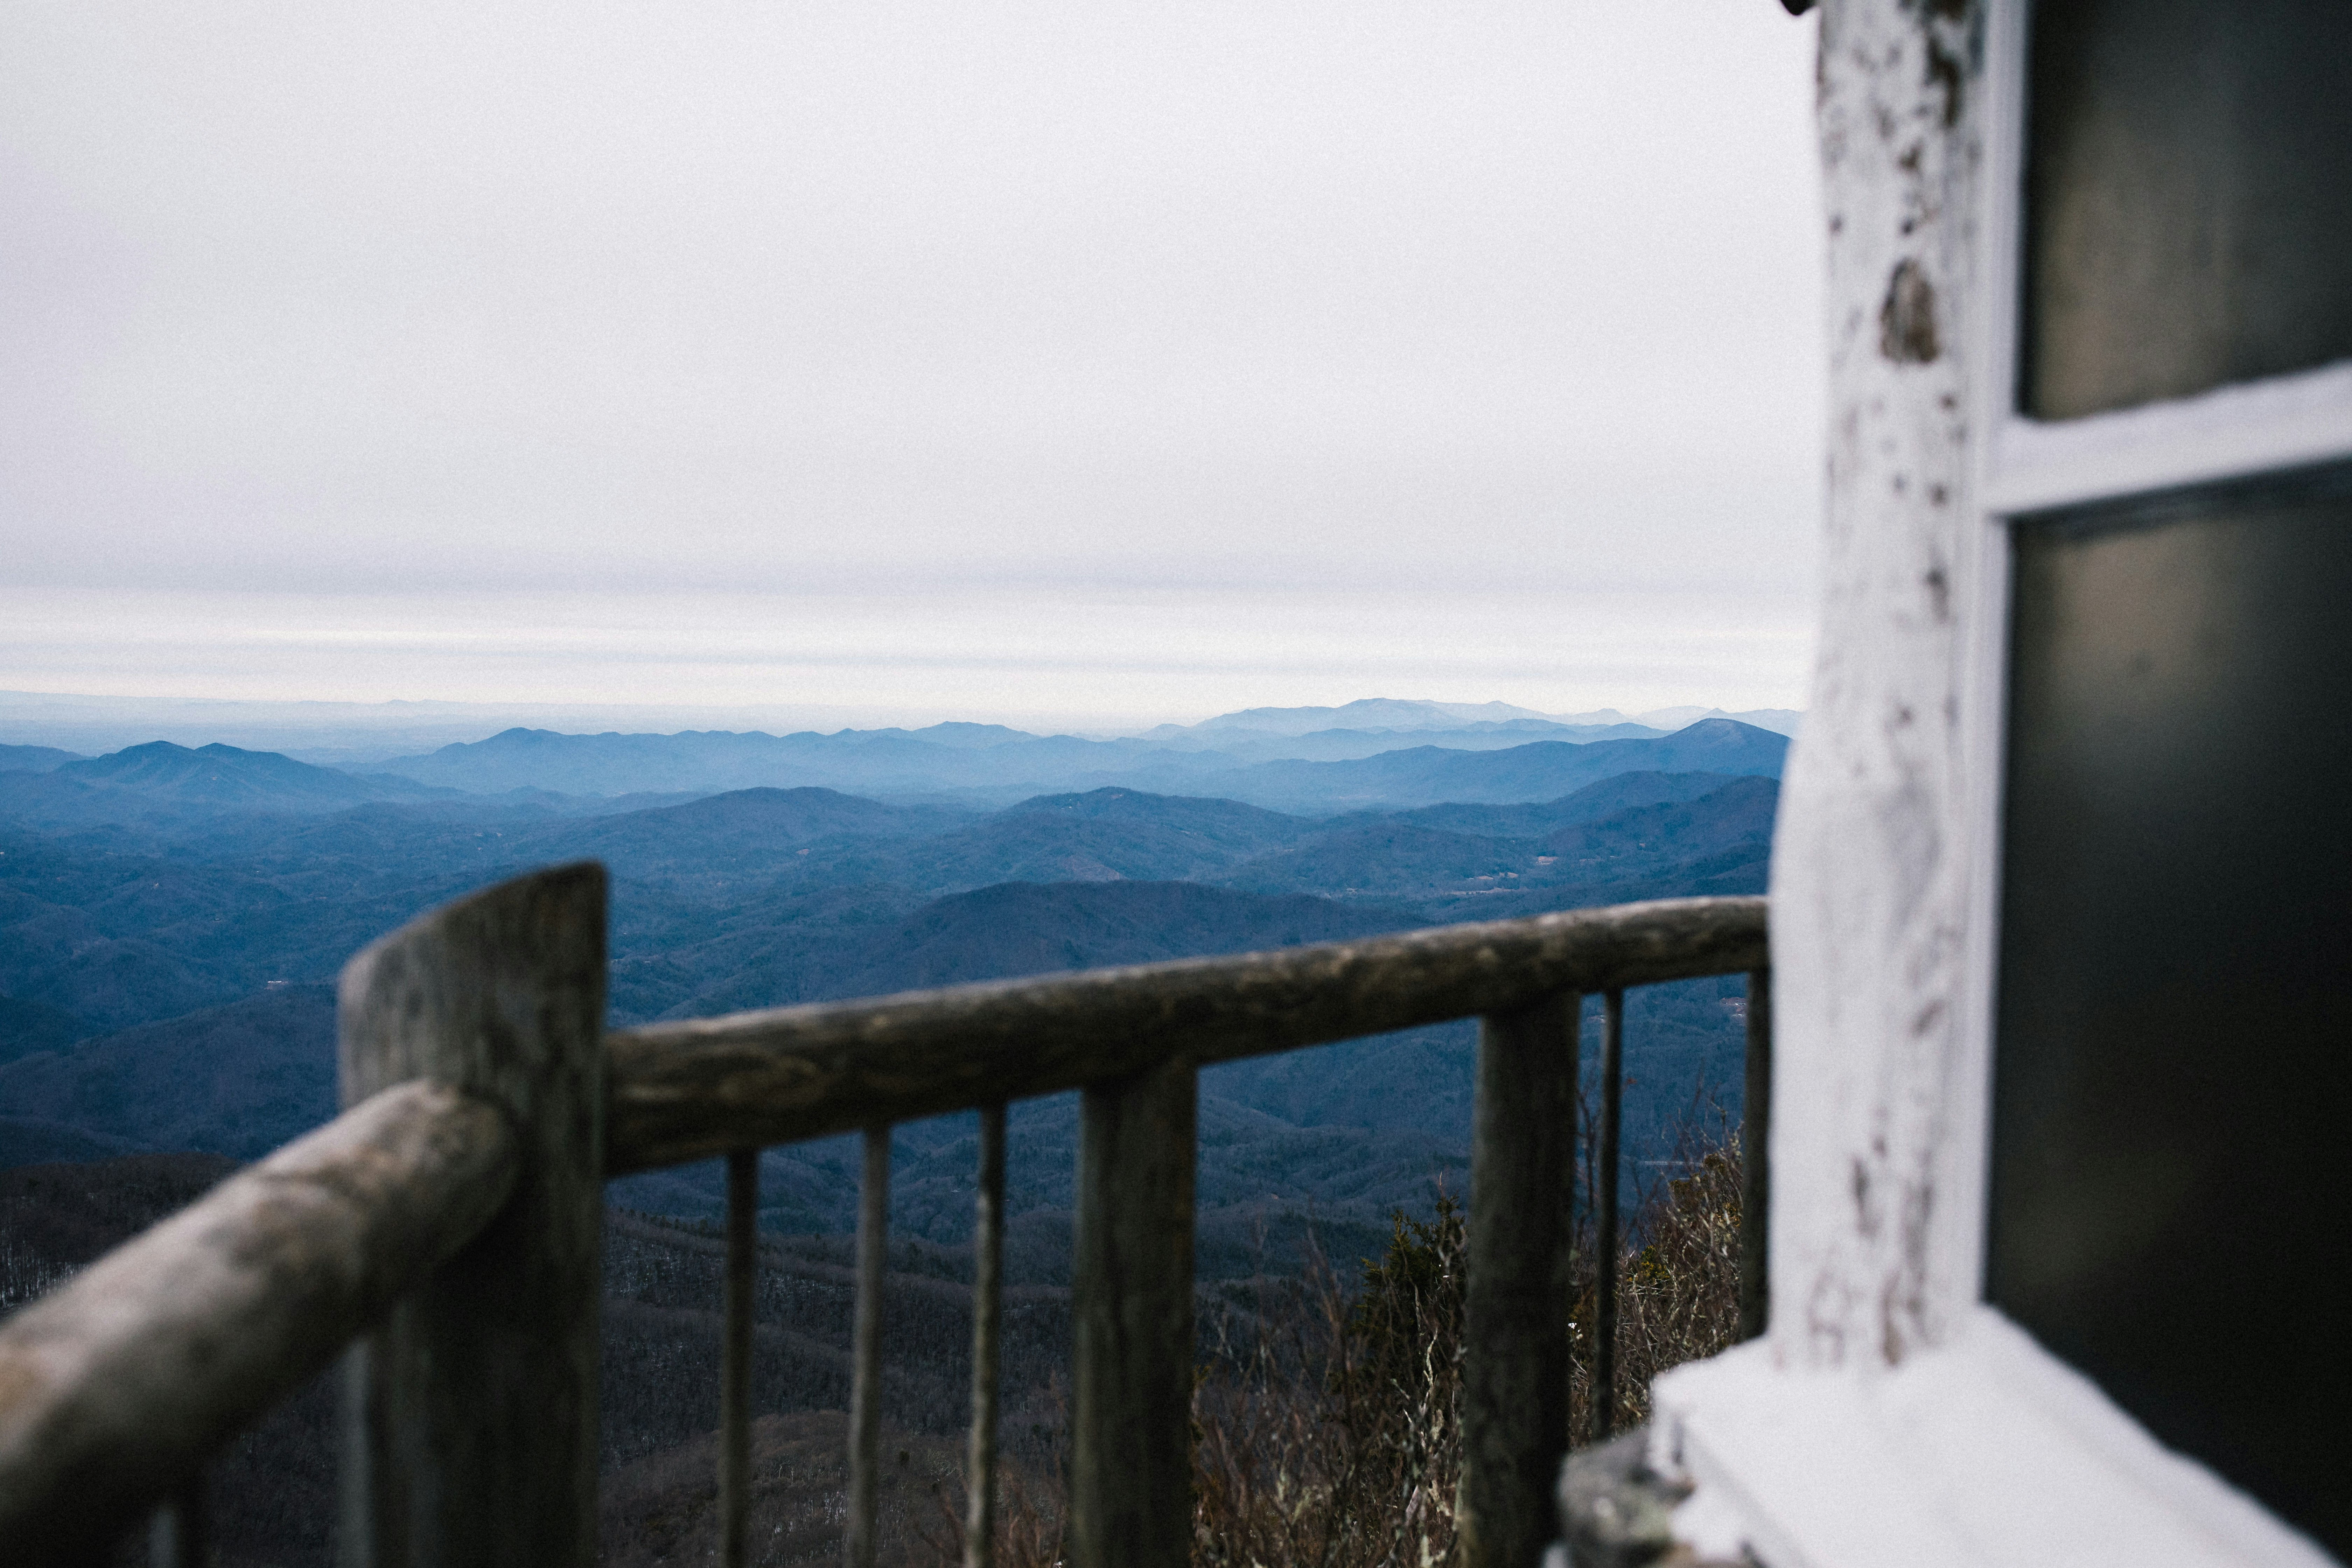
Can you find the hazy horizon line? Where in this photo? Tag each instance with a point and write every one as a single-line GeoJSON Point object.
{"type": "Point", "coordinates": [106, 719]}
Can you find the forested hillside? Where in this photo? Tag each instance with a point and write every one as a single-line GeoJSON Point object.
{"type": "Point", "coordinates": [171, 919]}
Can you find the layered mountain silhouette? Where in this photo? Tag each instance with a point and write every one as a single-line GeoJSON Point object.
{"type": "Point", "coordinates": [772, 881]}
{"type": "Point", "coordinates": [237, 1080]}
{"type": "Point", "coordinates": [34, 759]}
{"type": "Point", "coordinates": [163, 784]}
{"type": "Point", "coordinates": [170, 917]}
{"type": "Point", "coordinates": [1105, 835]}
{"type": "Point", "coordinates": [1025, 928]}
{"type": "Point", "coordinates": [241, 1077]}
{"type": "Point", "coordinates": [1533, 819]}
{"type": "Point", "coordinates": [1540, 770]}
{"type": "Point", "coordinates": [218, 776]}
{"type": "Point", "coordinates": [744, 831]}
{"type": "Point", "coordinates": [1379, 752]}
{"type": "Point", "coordinates": [996, 765]}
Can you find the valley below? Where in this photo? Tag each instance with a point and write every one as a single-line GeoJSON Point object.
{"type": "Point", "coordinates": [171, 920]}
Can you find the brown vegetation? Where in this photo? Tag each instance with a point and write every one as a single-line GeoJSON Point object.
{"type": "Point", "coordinates": [1325, 1418]}
{"type": "Point", "coordinates": [1324, 1409]}
{"type": "Point", "coordinates": [663, 1507]}
{"type": "Point", "coordinates": [1330, 1438]}
{"type": "Point", "coordinates": [1677, 1283]}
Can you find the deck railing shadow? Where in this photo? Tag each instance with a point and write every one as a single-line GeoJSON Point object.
{"type": "Point", "coordinates": [442, 1235]}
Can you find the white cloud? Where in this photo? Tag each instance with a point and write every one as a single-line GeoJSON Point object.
{"type": "Point", "coordinates": [1228, 305]}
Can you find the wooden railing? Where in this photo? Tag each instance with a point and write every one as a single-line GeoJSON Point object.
{"type": "Point", "coordinates": [445, 1227]}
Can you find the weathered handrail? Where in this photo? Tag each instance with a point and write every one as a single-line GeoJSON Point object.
{"type": "Point", "coordinates": [116, 1387]}
{"type": "Point", "coordinates": [451, 1217]}
{"type": "Point", "coordinates": [1133, 1040]}
{"type": "Point", "coordinates": [689, 1090]}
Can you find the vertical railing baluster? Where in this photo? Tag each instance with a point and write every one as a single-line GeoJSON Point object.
{"type": "Point", "coordinates": [866, 1352]}
{"type": "Point", "coordinates": [1756, 1155]}
{"type": "Point", "coordinates": [1605, 1215]}
{"type": "Point", "coordinates": [735, 1356]}
{"type": "Point", "coordinates": [987, 1303]}
{"type": "Point", "coordinates": [1131, 1307]}
{"type": "Point", "coordinates": [1516, 1321]}
{"type": "Point", "coordinates": [177, 1532]}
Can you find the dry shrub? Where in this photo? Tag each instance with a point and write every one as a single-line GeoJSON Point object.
{"type": "Point", "coordinates": [1323, 1424]}
{"type": "Point", "coordinates": [1325, 1418]}
{"type": "Point", "coordinates": [663, 1507]}
{"type": "Point", "coordinates": [1030, 1518]}
{"type": "Point", "coordinates": [1029, 1534]}
{"type": "Point", "coordinates": [1677, 1282]}
{"type": "Point", "coordinates": [1031, 1500]}
{"type": "Point", "coordinates": [1326, 1437]}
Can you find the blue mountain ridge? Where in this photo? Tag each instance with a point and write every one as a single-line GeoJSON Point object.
{"type": "Point", "coordinates": [163, 952]}
{"type": "Point", "coordinates": [1342, 767]}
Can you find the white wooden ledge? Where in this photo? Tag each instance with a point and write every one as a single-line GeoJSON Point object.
{"type": "Point", "coordinates": [1984, 1452]}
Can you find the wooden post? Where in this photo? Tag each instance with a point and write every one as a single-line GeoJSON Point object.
{"type": "Point", "coordinates": [1756, 1169]}
{"type": "Point", "coordinates": [178, 1536]}
{"type": "Point", "coordinates": [469, 1416]}
{"type": "Point", "coordinates": [1131, 1449]}
{"type": "Point", "coordinates": [737, 1299]}
{"type": "Point", "coordinates": [117, 1386]}
{"type": "Point", "coordinates": [861, 1538]}
{"type": "Point", "coordinates": [1603, 1399]}
{"type": "Point", "coordinates": [1515, 1365]}
{"type": "Point", "coordinates": [987, 1313]}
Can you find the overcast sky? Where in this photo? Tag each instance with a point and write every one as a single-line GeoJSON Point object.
{"type": "Point", "coordinates": [1083, 362]}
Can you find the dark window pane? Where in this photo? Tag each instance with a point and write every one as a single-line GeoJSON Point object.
{"type": "Point", "coordinates": [2172, 1104]}
{"type": "Point", "coordinates": [2188, 197]}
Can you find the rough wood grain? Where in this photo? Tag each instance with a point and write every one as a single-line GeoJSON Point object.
{"type": "Point", "coordinates": [689, 1090]}
{"type": "Point", "coordinates": [1603, 1402]}
{"type": "Point", "coordinates": [179, 1534]}
{"type": "Point", "coordinates": [741, 1277]}
{"type": "Point", "coordinates": [1131, 1311]}
{"type": "Point", "coordinates": [1514, 1361]}
{"type": "Point", "coordinates": [115, 1387]}
{"type": "Point", "coordinates": [470, 1415]}
{"type": "Point", "coordinates": [987, 1314]}
{"type": "Point", "coordinates": [861, 1539]}
{"type": "Point", "coordinates": [1756, 1168]}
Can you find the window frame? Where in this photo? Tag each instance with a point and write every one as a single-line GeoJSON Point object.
{"type": "Point", "coordinates": [2026, 467]}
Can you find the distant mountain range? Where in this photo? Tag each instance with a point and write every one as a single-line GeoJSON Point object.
{"type": "Point", "coordinates": [159, 784]}
{"type": "Point", "coordinates": [35, 759]}
{"type": "Point", "coordinates": [995, 767]}
{"type": "Point", "coordinates": [170, 917]}
{"type": "Point", "coordinates": [191, 896]}
{"type": "Point", "coordinates": [1392, 715]}
{"type": "Point", "coordinates": [1420, 775]}
{"type": "Point", "coordinates": [200, 965]}
{"type": "Point", "coordinates": [1323, 769]}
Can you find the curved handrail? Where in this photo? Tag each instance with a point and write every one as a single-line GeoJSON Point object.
{"type": "Point", "coordinates": [116, 1386]}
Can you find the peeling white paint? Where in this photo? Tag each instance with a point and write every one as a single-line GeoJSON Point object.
{"type": "Point", "coordinates": [1870, 880]}
{"type": "Point", "coordinates": [1982, 1453]}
